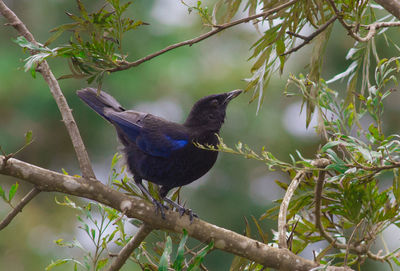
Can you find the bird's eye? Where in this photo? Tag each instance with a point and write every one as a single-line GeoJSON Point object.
{"type": "Point", "coordinates": [214, 102]}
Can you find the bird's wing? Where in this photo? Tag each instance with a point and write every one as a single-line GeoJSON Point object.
{"type": "Point", "coordinates": [149, 132]}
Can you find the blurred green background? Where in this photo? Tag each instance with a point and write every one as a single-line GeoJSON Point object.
{"type": "Point", "coordinates": [167, 86]}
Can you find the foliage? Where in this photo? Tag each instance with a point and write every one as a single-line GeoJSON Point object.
{"type": "Point", "coordinates": [354, 207]}
{"type": "Point", "coordinates": [180, 263]}
{"type": "Point", "coordinates": [95, 45]}
{"type": "Point", "coordinates": [96, 221]}
{"type": "Point", "coordinates": [14, 187]}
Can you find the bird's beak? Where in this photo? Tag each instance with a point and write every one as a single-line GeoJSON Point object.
{"type": "Point", "coordinates": [232, 94]}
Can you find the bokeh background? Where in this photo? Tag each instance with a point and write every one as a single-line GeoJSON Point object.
{"type": "Point", "coordinates": [166, 86]}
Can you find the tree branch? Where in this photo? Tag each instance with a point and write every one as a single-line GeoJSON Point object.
{"type": "Point", "coordinates": [67, 117]}
{"type": "Point", "coordinates": [318, 197]}
{"type": "Point", "coordinates": [127, 250]}
{"type": "Point", "coordinates": [24, 201]}
{"type": "Point", "coordinates": [309, 38]}
{"type": "Point", "coordinates": [217, 29]}
{"type": "Point", "coordinates": [284, 207]}
{"type": "Point", "coordinates": [229, 241]}
{"type": "Point", "coordinates": [392, 6]}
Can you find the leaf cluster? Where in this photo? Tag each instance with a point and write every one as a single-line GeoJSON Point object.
{"type": "Point", "coordinates": [355, 208]}
{"type": "Point", "coordinates": [95, 45]}
{"type": "Point", "coordinates": [165, 263]}
{"type": "Point", "coordinates": [14, 187]}
{"type": "Point", "coordinates": [97, 221]}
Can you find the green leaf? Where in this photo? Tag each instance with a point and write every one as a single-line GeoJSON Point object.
{"type": "Point", "coordinates": [82, 10]}
{"type": "Point", "coordinates": [280, 49]}
{"type": "Point", "coordinates": [396, 185]}
{"type": "Point", "coordinates": [375, 133]}
{"type": "Point", "coordinates": [396, 261]}
{"type": "Point", "coordinates": [12, 191]}
{"type": "Point", "coordinates": [180, 254]}
{"type": "Point", "coordinates": [200, 257]}
{"type": "Point", "coordinates": [93, 232]}
{"type": "Point", "coordinates": [382, 61]}
{"type": "Point", "coordinates": [24, 43]}
{"type": "Point", "coordinates": [28, 137]}
{"type": "Point", "coordinates": [33, 73]}
{"type": "Point", "coordinates": [59, 31]}
{"type": "Point", "coordinates": [282, 185]}
{"type": "Point", "coordinates": [115, 159]}
{"type": "Point", "coordinates": [330, 145]}
{"type": "Point", "coordinates": [69, 203]}
{"type": "Point", "coordinates": [102, 263]}
{"type": "Point", "coordinates": [56, 263]}
{"type": "Point", "coordinates": [263, 235]}
{"type": "Point", "coordinates": [334, 156]}
{"type": "Point", "coordinates": [2, 193]}
{"type": "Point", "coordinates": [164, 260]}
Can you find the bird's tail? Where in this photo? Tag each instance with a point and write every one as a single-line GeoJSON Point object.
{"type": "Point", "coordinates": [101, 103]}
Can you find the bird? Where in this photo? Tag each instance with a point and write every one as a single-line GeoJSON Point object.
{"type": "Point", "coordinates": [161, 151]}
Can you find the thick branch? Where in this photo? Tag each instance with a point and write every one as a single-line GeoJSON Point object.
{"type": "Point", "coordinates": [68, 119]}
{"type": "Point", "coordinates": [24, 201]}
{"type": "Point", "coordinates": [284, 207]}
{"type": "Point", "coordinates": [125, 253]}
{"type": "Point", "coordinates": [392, 6]}
{"type": "Point", "coordinates": [217, 29]}
{"type": "Point", "coordinates": [224, 239]}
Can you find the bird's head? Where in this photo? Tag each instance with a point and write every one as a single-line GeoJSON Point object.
{"type": "Point", "coordinates": [209, 112]}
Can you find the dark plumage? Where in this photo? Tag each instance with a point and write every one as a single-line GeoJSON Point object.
{"type": "Point", "coordinates": [161, 151]}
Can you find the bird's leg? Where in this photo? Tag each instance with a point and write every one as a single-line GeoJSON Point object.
{"type": "Point", "coordinates": [159, 207]}
{"type": "Point", "coordinates": [182, 210]}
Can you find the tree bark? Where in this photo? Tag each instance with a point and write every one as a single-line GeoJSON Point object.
{"type": "Point", "coordinates": [392, 6]}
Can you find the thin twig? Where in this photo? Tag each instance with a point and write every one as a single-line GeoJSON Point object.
{"type": "Point", "coordinates": [378, 257]}
{"type": "Point", "coordinates": [284, 207]}
{"type": "Point", "coordinates": [318, 197]}
{"type": "Point", "coordinates": [377, 169]}
{"type": "Point", "coordinates": [309, 38]}
{"type": "Point", "coordinates": [202, 266]}
{"type": "Point", "coordinates": [24, 201]}
{"type": "Point", "coordinates": [372, 27]}
{"type": "Point", "coordinates": [217, 29]}
{"type": "Point", "coordinates": [65, 110]}
{"type": "Point", "coordinates": [127, 250]}
{"type": "Point", "coordinates": [349, 241]}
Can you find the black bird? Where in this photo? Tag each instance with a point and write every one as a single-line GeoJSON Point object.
{"type": "Point", "coordinates": [162, 151]}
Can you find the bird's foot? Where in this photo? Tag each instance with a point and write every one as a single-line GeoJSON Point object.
{"type": "Point", "coordinates": [160, 208]}
{"type": "Point", "coordinates": [188, 211]}
{"type": "Point", "coordinates": [182, 210]}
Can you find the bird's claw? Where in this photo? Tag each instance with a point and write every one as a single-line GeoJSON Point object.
{"type": "Point", "coordinates": [160, 208]}
{"type": "Point", "coordinates": [189, 212]}
{"type": "Point", "coordinates": [191, 215]}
